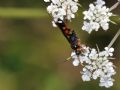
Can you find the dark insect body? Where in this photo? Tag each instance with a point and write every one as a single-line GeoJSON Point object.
{"type": "Point", "coordinates": [71, 37]}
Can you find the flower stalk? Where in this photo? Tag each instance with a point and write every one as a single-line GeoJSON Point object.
{"type": "Point", "coordinates": [114, 39]}
{"type": "Point", "coordinates": [115, 5]}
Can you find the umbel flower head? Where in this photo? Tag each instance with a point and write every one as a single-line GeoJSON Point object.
{"type": "Point", "coordinates": [96, 65]}
{"type": "Point", "coordinates": [62, 9]}
{"type": "Point", "coordinates": [97, 16]}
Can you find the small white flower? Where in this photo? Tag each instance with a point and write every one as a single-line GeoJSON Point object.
{"type": "Point", "coordinates": [76, 0]}
{"type": "Point", "coordinates": [106, 82]}
{"type": "Point", "coordinates": [87, 27]}
{"type": "Point", "coordinates": [105, 26]}
{"type": "Point", "coordinates": [54, 25]}
{"type": "Point", "coordinates": [62, 9]}
{"type": "Point", "coordinates": [109, 51]}
{"type": "Point", "coordinates": [93, 55]}
{"type": "Point", "coordinates": [84, 59]}
{"type": "Point", "coordinates": [96, 74]}
{"type": "Point", "coordinates": [55, 1]}
{"type": "Point", "coordinates": [97, 16]}
{"type": "Point", "coordinates": [100, 2]}
{"type": "Point", "coordinates": [76, 62]}
{"type": "Point", "coordinates": [46, 0]}
{"type": "Point", "coordinates": [73, 55]}
{"type": "Point", "coordinates": [96, 65]}
{"type": "Point", "coordinates": [86, 75]}
{"type": "Point", "coordinates": [74, 9]}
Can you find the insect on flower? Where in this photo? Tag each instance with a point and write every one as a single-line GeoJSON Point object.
{"type": "Point", "coordinates": [96, 64]}
{"type": "Point", "coordinates": [71, 37]}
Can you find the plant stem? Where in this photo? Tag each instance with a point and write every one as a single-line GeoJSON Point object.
{"type": "Point", "coordinates": [114, 39]}
{"type": "Point", "coordinates": [115, 6]}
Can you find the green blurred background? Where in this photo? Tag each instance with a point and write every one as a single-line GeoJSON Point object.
{"type": "Point", "coordinates": [32, 51]}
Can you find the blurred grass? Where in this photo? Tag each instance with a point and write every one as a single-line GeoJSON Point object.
{"type": "Point", "coordinates": [22, 13]}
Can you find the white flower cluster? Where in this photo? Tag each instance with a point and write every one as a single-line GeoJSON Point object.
{"type": "Point", "coordinates": [97, 16]}
{"type": "Point", "coordinates": [62, 9]}
{"type": "Point", "coordinates": [96, 65]}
